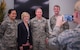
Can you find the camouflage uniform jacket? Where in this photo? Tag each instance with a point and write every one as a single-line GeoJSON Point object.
{"type": "Point", "coordinates": [8, 32]}
{"type": "Point", "coordinates": [39, 29]}
{"type": "Point", "coordinates": [67, 40]}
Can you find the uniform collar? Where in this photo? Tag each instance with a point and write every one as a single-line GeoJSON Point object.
{"type": "Point", "coordinates": [37, 19]}
{"type": "Point", "coordinates": [8, 19]}
{"type": "Point", "coordinates": [57, 15]}
{"type": "Point", "coordinates": [40, 19]}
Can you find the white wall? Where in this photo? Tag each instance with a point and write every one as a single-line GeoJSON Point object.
{"type": "Point", "coordinates": [0, 0]}
{"type": "Point", "coordinates": [9, 5]}
{"type": "Point", "coordinates": [67, 7]}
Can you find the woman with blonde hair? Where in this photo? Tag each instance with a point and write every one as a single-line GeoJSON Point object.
{"type": "Point", "coordinates": [24, 34]}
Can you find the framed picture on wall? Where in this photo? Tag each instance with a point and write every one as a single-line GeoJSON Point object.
{"type": "Point", "coordinates": [30, 6]}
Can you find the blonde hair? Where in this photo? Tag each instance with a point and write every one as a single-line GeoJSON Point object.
{"type": "Point", "coordinates": [77, 6]}
{"type": "Point", "coordinates": [25, 13]}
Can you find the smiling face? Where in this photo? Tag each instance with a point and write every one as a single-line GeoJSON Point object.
{"type": "Point", "coordinates": [13, 14]}
{"type": "Point", "coordinates": [56, 10]}
{"type": "Point", "coordinates": [25, 16]}
{"type": "Point", "coordinates": [38, 13]}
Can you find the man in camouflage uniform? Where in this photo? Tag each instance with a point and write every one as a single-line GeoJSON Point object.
{"type": "Point", "coordinates": [69, 39]}
{"type": "Point", "coordinates": [8, 31]}
{"type": "Point", "coordinates": [39, 29]}
{"type": "Point", "coordinates": [54, 17]}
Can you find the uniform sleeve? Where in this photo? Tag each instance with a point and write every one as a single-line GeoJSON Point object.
{"type": "Point", "coordinates": [63, 39]}
{"type": "Point", "coordinates": [51, 23]}
{"type": "Point", "coordinates": [3, 27]}
{"type": "Point", "coordinates": [47, 29]}
{"type": "Point", "coordinates": [65, 26]}
{"type": "Point", "coordinates": [70, 40]}
{"type": "Point", "coordinates": [53, 38]}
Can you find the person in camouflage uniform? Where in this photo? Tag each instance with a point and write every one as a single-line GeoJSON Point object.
{"type": "Point", "coordinates": [54, 17]}
{"type": "Point", "coordinates": [68, 39]}
{"type": "Point", "coordinates": [39, 29]}
{"type": "Point", "coordinates": [8, 31]}
{"type": "Point", "coordinates": [65, 26]}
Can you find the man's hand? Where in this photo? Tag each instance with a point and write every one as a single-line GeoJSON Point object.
{"type": "Point", "coordinates": [59, 21]}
